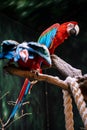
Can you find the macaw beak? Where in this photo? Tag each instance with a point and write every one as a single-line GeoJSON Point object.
{"type": "Point", "coordinates": [77, 29]}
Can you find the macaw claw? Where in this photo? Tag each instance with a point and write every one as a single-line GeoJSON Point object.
{"type": "Point", "coordinates": [36, 71]}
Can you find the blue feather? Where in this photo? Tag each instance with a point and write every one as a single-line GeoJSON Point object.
{"type": "Point", "coordinates": [14, 110]}
{"type": "Point", "coordinates": [18, 105]}
{"type": "Point", "coordinates": [9, 55]}
{"type": "Point", "coordinates": [47, 38]}
{"type": "Point", "coordinates": [1, 55]}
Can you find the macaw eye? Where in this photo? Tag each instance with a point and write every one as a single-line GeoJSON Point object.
{"type": "Point", "coordinates": [70, 25]}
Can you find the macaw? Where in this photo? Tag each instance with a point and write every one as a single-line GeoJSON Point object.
{"type": "Point", "coordinates": [30, 56]}
{"type": "Point", "coordinates": [55, 35]}
{"type": "Point", "coordinates": [27, 55]}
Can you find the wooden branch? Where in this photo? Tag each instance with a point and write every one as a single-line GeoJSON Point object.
{"type": "Point", "coordinates": [40, 77]}
{"type": "Point", "coordinates": [67, 70]}
{"type": "Point", "coordinates": [64, 68]}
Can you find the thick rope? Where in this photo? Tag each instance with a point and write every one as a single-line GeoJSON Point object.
{"type": "Point", "coordinates": [79, 99]}
{"type": "Point", "coordinates": [69, 122]}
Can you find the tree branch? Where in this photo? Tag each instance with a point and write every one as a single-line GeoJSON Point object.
{"type": "Point", "coordinates": [40, 77]}
{"type": "Point", "coordinates": [64, 68]}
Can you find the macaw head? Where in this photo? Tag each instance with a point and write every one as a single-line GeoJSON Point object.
{"type": "Point", "coordinates": [8, 45]}
{"type": "Point", "coordinates": [71, 28]}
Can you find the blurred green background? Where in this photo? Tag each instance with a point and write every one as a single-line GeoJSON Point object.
{"type": "Point", "coordinates": [24, 20]}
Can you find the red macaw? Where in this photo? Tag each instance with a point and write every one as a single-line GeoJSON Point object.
{"type": "Point", "coordinates": [28, 56]}
{"type": "Point", "coordinates": [57, 33]}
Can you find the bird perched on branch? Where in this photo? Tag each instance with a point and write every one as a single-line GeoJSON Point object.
{"type": "Point", "coordinates": [55, 35]}
{"type": "Point", "coordinates": [27, 55]}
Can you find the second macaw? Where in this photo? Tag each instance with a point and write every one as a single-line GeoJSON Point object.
{"type": "Point", "coordinates": [55, 35]}
{"type": "Point", "coordinates": [27, 55]}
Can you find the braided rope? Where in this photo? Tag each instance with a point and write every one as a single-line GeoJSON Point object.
{"type": "Point", "coordinates": [79, 100]}
{"type": "Point", "coordinates": [68, 110]}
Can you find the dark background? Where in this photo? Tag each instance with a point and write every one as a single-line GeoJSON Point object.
{"type": "Point", "coordinates": [24, 20]}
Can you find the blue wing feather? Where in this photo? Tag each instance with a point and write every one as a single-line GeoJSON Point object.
{"type": "Point", "coordinates": [47, 38]}
{"type": "Point", "coordinates": [9, 55]}
{"type": "Point", "coordinates": [19, 103]}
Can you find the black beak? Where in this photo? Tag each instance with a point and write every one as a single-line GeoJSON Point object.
{"type": "Point", "coordinates": [72, 32]}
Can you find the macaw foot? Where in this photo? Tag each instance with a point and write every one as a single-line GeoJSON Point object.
{"type": "Point", "coordinates": [36, 71]}
{"type": "Point", "coordinates": [32, 83]}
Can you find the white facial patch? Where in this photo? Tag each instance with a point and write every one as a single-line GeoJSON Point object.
{"type": "Point", "coordinates": [69, 27]}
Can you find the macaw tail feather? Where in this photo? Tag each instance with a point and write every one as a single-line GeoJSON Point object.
{"type": "Point", "coordinates": [23, 90]}
{"type": "Point", "coordinates": [22, 95]}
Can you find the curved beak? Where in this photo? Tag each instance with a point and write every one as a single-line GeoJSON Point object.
{"type": "Point", "coordinates": [77, 29]}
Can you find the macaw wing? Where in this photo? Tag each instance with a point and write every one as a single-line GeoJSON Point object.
{"type": "Point", "coordinates": [36, 48]}
{"type": "Point", "coordinates": [48, 35]}
{"type": "Point", "coordinates": [8, 45]}
{"type": "Point", "coordinates": [28, 50]}
{"type": "Point", "coordinates": [9, 55]}
{"type": "Point", "coordinates": [1, 56]}
{"type": "Point", "coordinates": [41, 50]}
{"type": "Point", "coordinates": [8, 49]}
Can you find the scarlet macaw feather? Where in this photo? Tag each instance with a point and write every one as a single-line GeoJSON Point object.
{"type": "Point", "coordinates": [23, 90]}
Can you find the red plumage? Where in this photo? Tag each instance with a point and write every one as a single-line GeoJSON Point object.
{"type": "Point", "coordinates": [22, 91]}
{"type": "Point", "coordinates": [61, 34]}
